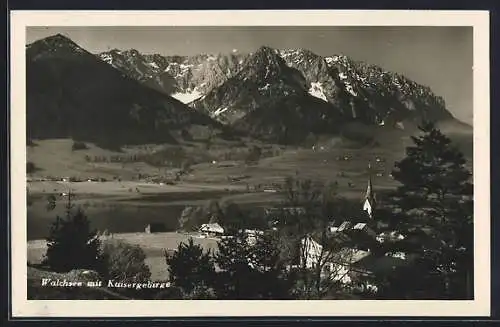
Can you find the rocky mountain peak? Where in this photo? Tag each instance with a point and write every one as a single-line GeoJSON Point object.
{"type": "Point", "coordinates": [266, 56]}
{"type": "Point", "coordinates": [55, 45]}
{"type": "Point", "coordinates": [264, 65]}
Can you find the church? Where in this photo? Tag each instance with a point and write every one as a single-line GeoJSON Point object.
{"type": "Point", "coordinates": [369, 201]}
{"type": "Point", "coordinates": [368, 205]}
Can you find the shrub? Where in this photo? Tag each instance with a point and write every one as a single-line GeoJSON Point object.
{"type": "Point", "coordinates": [79, 146]}
{"type": "Point", "coordinates": [186, 136]}
{"type": "Point", "coordinates": [254, 155]}
{"type": "Point", "coordinates": [125, 262]}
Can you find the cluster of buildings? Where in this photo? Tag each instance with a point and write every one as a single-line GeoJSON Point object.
{"type": "Point", "coordinates": [350, 257]}
{"type": "Point", "coordinates": [347, 264]}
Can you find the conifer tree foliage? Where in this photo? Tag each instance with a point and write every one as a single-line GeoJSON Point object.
{"type": "Point", "coordinates": [251, 270]}
{"type": "Point", "coordinates": [192, 270]}
{"type": "Point", "coordinates": [72, 244]}
{"type": "Point", "coordinates": [245, 270]}
{"type": "Point", "coordinates": [433, 210]}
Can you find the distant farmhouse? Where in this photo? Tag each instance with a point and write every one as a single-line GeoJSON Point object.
{"type": "Point", "coordinates": [212, 230]}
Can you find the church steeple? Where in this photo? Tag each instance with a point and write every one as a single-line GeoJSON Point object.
{"type": "Point", "coordinates": [369, 188]}
{"type": "Point", "coordinates": [369, 200]}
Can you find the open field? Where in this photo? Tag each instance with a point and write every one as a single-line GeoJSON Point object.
{"type": "Point", "coordinates": [126, 204]}
{"type": "Point", "coordinates": [330, 161]}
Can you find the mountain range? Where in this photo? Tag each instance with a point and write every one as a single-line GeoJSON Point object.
{"type": "Point", "coordinates": [279, 95]}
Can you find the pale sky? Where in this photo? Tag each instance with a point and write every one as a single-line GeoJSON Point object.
{"type": "Point", "coordinates": [439, 57]}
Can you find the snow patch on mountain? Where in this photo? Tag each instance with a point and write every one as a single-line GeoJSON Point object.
{"type": "Point", "coordinates": [187, 97]}
{"type": "Point", "coordinates": [219, 111]}
{"type": "Point", "coordinates": [350, 89]}
{"type": "Point", "coordinates": [316, 90]}
{"type": "Point", "coordinates": [332, 60]}
{"type": "Point", "coordinates": [154, 65]}
{"type": "Point", "coordinates": [107, 58]}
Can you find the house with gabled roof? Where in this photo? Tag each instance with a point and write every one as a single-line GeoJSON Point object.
{"type": "Point", "coordinates": [213, 229]}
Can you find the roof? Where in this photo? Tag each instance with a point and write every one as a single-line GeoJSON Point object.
{"type": "Point", "coordinates": [215, 228]}
{"type": "Point", "coordinates": [345, 225]}
{"type": "Point", "coordinates": [359, 226]}
{"type": "Point", "coordinates": [351, 256]}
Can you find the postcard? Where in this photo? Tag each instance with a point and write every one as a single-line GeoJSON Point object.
{"type": "Point", "coordinates": [250, 163]}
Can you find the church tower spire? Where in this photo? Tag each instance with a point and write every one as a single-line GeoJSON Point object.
{"type": "Point", "coordinates": [369, 200]}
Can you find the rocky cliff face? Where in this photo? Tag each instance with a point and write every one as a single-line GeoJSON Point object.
{"type": "Point", "coordinates": [183, 77]}
{"type": "Point", "coordinates": [366, 92]}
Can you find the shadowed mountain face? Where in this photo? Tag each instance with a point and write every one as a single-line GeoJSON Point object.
{"type": "Point", "coordinates": [71, 93]}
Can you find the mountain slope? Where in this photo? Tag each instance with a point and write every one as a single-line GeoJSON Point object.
{"type": "Point", "coordinates": [268, 99]}
{"type": "Point", "coordinates": [71, 93]}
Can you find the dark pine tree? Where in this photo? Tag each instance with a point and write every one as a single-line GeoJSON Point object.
{"type": "Point", "coordinates": [72, 244]}
{"type": "Point", "coordinates": [192, 270]}
{"type": "Point", "coordinates": [433, 210]}
{"type": "Point", "coordinates": [251, 270]}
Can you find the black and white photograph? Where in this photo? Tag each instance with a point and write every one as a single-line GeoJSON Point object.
{"type": "Point", "coordinates": [231, 161]}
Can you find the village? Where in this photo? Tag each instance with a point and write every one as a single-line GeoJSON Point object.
{"type": "Point", "coordinates": [345, 264]}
